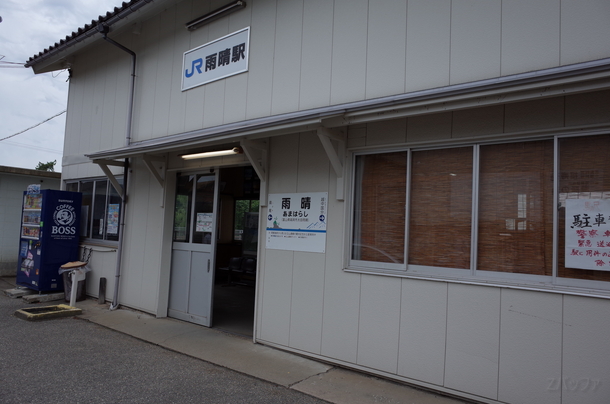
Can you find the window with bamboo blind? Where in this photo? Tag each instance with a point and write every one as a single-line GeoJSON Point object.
{"type": "Point", "coordinates": [379, 208]}
{"type": "Point", "coordinates": [515, 204]}
{"type": "Point", "coordinates": [515, 221]}
{"type": "Point", "coordinates": [440, 216]}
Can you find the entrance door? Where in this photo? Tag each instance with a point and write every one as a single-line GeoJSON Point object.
{"type": "Point", "coordinates": [193, 249]}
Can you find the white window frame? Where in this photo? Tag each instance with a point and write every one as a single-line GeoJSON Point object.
{"type": "Point", "coordinates": [88, 238]}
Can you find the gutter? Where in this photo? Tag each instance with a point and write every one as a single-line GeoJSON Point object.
{"type": "Point", "coordinates": [104, 30]}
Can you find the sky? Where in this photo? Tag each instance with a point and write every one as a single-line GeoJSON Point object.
{"type": "Point", "coordinates": [26, 99]}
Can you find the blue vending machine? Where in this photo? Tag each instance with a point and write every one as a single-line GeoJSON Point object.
{"type": "Point", "coordinates": [50, 223]}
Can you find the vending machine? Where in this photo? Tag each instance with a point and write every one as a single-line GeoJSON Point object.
{"type": "Point", "coordinates": [50, 223]}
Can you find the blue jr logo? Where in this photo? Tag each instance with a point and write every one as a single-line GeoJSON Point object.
{"type": "Point", "coordinates": [197, 63]}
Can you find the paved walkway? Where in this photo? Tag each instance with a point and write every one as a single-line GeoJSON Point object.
{"type": "Point", "coordinates": [320, 380]}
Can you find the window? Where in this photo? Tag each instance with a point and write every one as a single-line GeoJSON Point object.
{"type": "Point", "coordinates": [484, 211]}
{"type": "Point", "coordinates": [101, 208]}
{"type": "Point", "coordinates": [379, 208]}
{"type": "Point", "coordinates": [194, 210]}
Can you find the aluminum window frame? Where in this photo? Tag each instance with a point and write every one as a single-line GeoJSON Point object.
{"type": "Point", "coordinates": [88, 222]}
{"type": "Point", "coordinates": [547, 283]}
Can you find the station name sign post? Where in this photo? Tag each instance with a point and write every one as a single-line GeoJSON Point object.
{"type": "Point", "coordinates": [221, 58]}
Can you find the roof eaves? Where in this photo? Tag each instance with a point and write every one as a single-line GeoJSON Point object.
{"type": "Point", "coordinates": [111, 17]}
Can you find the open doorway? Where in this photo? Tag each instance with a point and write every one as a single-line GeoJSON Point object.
{"type": "Point", "coordinates": [236, 250]}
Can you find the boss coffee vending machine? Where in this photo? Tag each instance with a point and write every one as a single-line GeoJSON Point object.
{"type": "Point", "coordinates": [50, 223]}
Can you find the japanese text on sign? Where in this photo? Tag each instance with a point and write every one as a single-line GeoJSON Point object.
{"type": "Point", "coordinates": [588, 234]}
{"type": "Point", "coordinates": [297, 222]}
{"type": "Point", "coordinates": [216, 60]}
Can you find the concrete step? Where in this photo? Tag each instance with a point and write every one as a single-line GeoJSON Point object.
{"type": "Point", "coordinates": [18, 292]}
{"type": "Point", "coordinates": [44, 298]}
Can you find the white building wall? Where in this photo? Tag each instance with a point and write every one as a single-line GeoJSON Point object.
{"type": "Point", "coordinates": [314, 54]}
{"type": "Point", "coordinates": [489, 343]}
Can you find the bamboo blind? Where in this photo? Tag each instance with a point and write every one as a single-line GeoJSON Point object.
{"type": "Point", "coordinates": [441, 208]}
{"type": "Point", "coordinates": [380, 213]}
{"type": "Point", "coordinates": [515, 232]}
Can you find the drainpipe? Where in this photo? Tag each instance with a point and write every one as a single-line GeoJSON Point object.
{"type": "Point", "coordinates": [104, 30]}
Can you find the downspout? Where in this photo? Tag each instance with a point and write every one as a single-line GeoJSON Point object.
{"type": "Point", "coordinates": [104, 30]}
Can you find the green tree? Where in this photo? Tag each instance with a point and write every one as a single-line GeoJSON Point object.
{"type": "Point", "coordinates": [48, 166]}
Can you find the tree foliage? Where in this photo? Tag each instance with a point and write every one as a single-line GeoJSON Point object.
{"type": "Point", "coordinates": [48, 166]}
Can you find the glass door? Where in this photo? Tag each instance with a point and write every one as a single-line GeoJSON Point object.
{"type": "Point", "coordinates": [193, 249]}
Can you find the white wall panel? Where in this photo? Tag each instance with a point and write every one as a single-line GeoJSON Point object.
{"type": "Point", "coordinates": [429, 127]}
{"type": "Point", "coordinates": [260, 75]}
{"type": "Point", "coordinates": [478, 121]}
{"type": "Point", "coordinates": [428, 44]}
{"type": "Point", "coordinates": [588, 108]}
{"type": "Point", "coordinates": [97, 117]}
{"type": "Point", "coordinates": [287, 57]}
{"type": "Point", "coordinates": [236, 87]}
{"type": "Point", "coordinates": [314, 166]}
{"type": "Point", "coordinates": [473, 334]}
{"type": "Point", "coordinates": [475, 40]}
{"type": "Point", "coordinates": [214, 103]}
{"type": "Point", "coordinates": [385, 61]}
{"type": "Point", "coordinates": [89, 103]}
{"type": "Point", "coordinates": [276, 298]}
{"type": "Point", "coordinates": [177, 102]}
{"type": "Point", "coordinates": [386, 132]}
{"type": "Point", "coordinates": [586, 352]}
{"type": "Point", "coordinates": [195, 96]}
{"type": "Point", "coordinates": [530, 346]}
{"type": "Point", "coordinates": [341, 289]}
{"type": "Point", "coordinates": [350, 27]}
{"type": "Point", "coordinates": [134, 249]}
{"type": "Point", "coordinates": [423, 326]}
{"type": "Point", "coordinates": [307, 301]}
{"type": "Point", "coordinates": [379, 323]}
{"type": "Point", "coordinates": [316, 54]}
{"type": "Point", "coordinates": [106, 136]}
{"type": "Point", "coordinates": [165, 72]}
{"type": "Point", "coordinates": [214, 99]}
{"type": "Point", "coordinates": [147, 50]}
{"type": "Point", "coordinates": [356, 135]}
{"type": "Point", "coordinates": [283, 162]}
{"type": "Point", "coordinates": [532, 115]}
{"type": "Point", "coordinates": [584, 28]}
{"type": "Point", "coordinates": [530, 35]}
{"type": "Point", "coordinates": [76, 93]}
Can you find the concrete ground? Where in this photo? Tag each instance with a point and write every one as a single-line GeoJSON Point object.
{"type": "Point", "coordinates": [316, 379]}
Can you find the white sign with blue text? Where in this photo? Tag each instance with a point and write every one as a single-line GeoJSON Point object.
{"type": "Point", "coordinates": [223, 57]}
{"type": "Point", "coordinates": [297, 222]}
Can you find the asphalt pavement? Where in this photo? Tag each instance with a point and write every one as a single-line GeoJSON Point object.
{"type": "Point", "coordinates": [126, 356]}
{"type": "Point", "coordinates": [72, 360]}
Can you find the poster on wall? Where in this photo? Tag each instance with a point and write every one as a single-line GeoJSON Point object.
{"type": "Point", "coordinates": [588, 234]}
{"type": "Point", "coordinates": [297, 222]}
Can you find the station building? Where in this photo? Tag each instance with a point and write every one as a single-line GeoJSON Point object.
{"type": "Point", "coordinates": [415, 189]}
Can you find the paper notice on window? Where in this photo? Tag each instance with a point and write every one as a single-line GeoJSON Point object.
{"type": "Point", "coordinates": [204, 222]}
{"type": "Point", "coordinates": [113, 218]}
{"type": "Point", "coordinates": [588, 234]}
